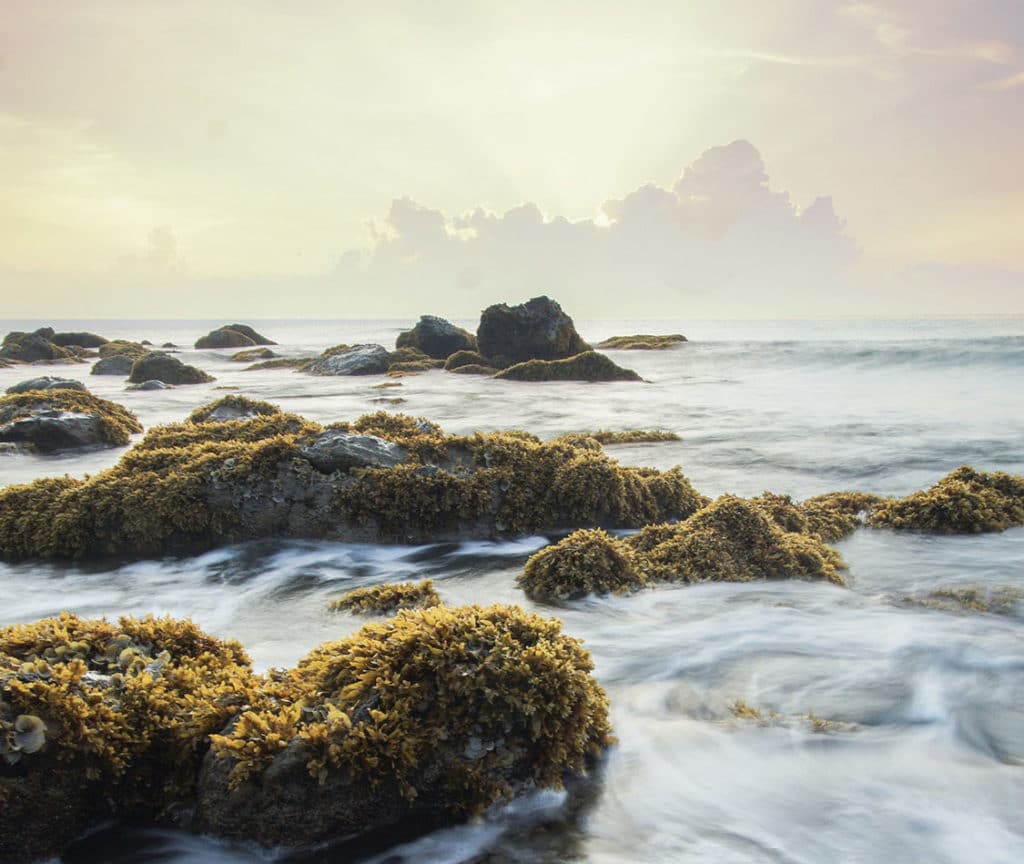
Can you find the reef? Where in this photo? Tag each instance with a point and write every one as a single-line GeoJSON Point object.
{"type": "Point", "coordinates": [728, 540]}
{"type": "Point", "coordinates": [537, 329]}
{"type": "Point", "coordinates": [436, 337]}
{"type": "Point", "coordinates": [233, 336]}
{"type": "Point", "coordinates": [195, 485]}
{"type": "Point", "coordinates": [586, 366]}
{"type": "Point", "coordinates": [387, 599]}
{"type": "Point", "coordinates": [63, 419]}
{"type": "Point", "coordinates": [158, 366]}
{"type": "Point", "coordinates": [963, 502]}
{"type": "Point", "coordinates": [641, 342]}
{"type": "Point", "coordinates": [436, 715]}
{"type": "Point", "coordinates": [99, 720]}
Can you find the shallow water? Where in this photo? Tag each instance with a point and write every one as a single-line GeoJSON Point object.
{"type": "Point", "coordinates": [888, 731]}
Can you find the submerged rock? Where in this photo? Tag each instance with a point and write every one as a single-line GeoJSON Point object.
{"type": "Point", "coordinates": [641, 342]}
{"type": "Point", "coordinates": [52, 420]}
{"type": "Point", "coordinates": [588, 366]}
{"type": "Point", "coordinates": [387, 599]}
{"type": "Point", "coordinates": [195, 485]}
{"type": "Point", "coordinates": [47, 382]}
{"type": "Point", "coordinates": [436, 338]}
{"type": "Point", "coordinates": [232, 336]}
{"type": "Point", "coordinates": [115, 364]}
{"type": "Point", "coordinates": [537, 329]}
{"type": "Point", "coordinates": [436, 714]}
{"type": "Point", "coordinates": [158, 366]}
{"type": "Point", "coordinates": [353, 360]}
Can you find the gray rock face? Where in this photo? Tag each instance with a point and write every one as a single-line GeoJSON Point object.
{"type": "Point", "coordinates": [152, 384]}
{"type": "Point", "coordinates": [233, 336]}
{"type": "Point", "coordinates": [119, 364]}
{"type": "Point", "coordinates": [358, 360]}
{"type": "Point", "coordinates": [50, 429]}
{"type": "Point", "coordinates": [47, 382]}
{"type": "Point", "coordinates": [436, 338]}
{"type": "Point", "coordinates": [157, 366]}
{"type": "Point", "coordinates": [343, 450]}
{"type": "Point", "coordinates": [535, 330]}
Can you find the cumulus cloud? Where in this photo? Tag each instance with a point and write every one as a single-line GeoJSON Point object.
{"type": "Point", "coordinates": [719, 240]}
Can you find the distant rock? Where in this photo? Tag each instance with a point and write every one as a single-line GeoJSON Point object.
{"type": "Point", "coordinates": [152, 384]}
{"type": "Point", "coordinates": [163, 367]}
{"type": "Point", "coordinates": [116, 364]}
{"type": "Point", "coordinates": [54, 420]}
{"type": "Point", "coordinates": [123, 347]}
{"type": "Point", "coordinates": [251, 355]}
{"type": "Point", "coordinates": [355, 360]}
{"type": "Point", "coordinates": [436, 338]}
{"type": "Point", "coordinates": [476, 369]}
{"type": "Point", "coordinates": [587, 366]}
{"type": "Point", "coordinates": [47, 382]}
{"type": "Point", "coordinates": [535, 330]}
{"type": "Point", "coordinates": [168, 345]}
{"type": "Point", "coordinates": [82, 340]}
{"type": "Point", "coordinates": [642, 342]}
{"type": "Point", "coordinates": [233, 336]}
{"type": "Point", "coordinates": [33, 347]}
{"type": "Point", "coordinates": [333, 451]}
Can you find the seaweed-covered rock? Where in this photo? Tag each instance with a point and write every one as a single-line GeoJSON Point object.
{"type": "Point", "coordinates": [627, 436]}
{"type": "Point", "coordinates": [587, 366]}
{"type": "Point", "coordinates": [158, 366]}
{"type": "Point", "coordinates": [115, 364]}
{"type": "Point", "coordinates": [963, 502]}
{"type": "Point", "coordinates": [435, 715]}
{"type": "Point", "coordinates": [474, 369]}
{"type": "Point", "coordinates": [334, 450]}
{"type": "Point", "coordinates": [51, 420]}
{"type": "Point", "coordinates": [233, 336]}
{"type": "Point", "coordinates": [641, 342]}
{"type": "Point", "coordinates": [537, 329]}
{"type": "Point", "coordinates": [100, 720]}
{"type": "Point", "coordinates": [122, 347]}
{"type": "Point", "coordinates": [436, 338]}
{"type": "Point", "coordinates": [252, 355]}
{"type": "Point", "coordinates": [465, 358]}
{"type": "Point", "coordinates": [191, 486]}
{"type": "Point", "coordinates": [47, 382]}
{"type": "Point", "coordinates": [149, 386]}
{"type": "Point", "coordinates": [387, 599]}
{"type": "Point", "coordinates": [585, 562]}
{"type": "Point", "coordinates": [81, 339]}
{"type": "Point", "coordinates": [232, 407]}
{"type": "Point", "coordinates": [33, 347]}
{"type": "Point", "coordinates": [353, 360]}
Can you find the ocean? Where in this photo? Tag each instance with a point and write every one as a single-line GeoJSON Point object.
{"type": "Point", "coordinates": [887, 731]}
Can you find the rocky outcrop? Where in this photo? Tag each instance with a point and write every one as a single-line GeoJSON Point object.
{"type": "Point", "coordinates": [353, 360]}
{"type": "Point", "coordinates": [53, 420]}
{"type": "Point", "coordinates": [436, 338]}
{"type": "Point", "coordinates": [158, 366]}
{"type": "Point", "coordinates": [47, 382]}
{"type": "Point", "coordinates": [588, 366]}
{"type": "Point", "coordinates": [115, 364]}
{"type": "Point", "coordinates": [537, 329]}
{"type": "Point", "coordinates": [233, 336]}
{"type": "Point", "coordinates": [34, 347]}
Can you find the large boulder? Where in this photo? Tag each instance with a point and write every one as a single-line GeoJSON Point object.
{"type": "Point", "coordinates": [116, 364]}
{"type": "Point", "coordinates": [158, 366]}
{"type": "Point", "coordinates": [587, 366]}
{"type": "Point", "coordinates": [354, 360]}
{"type": "Point", "coordinates": [47, 382]}
{"type": "Point", "coordinates": [52, 420]}
{"type": "Point", "coordinates": [33, 347]}
{"type": "Point", "coordinates": [537, 329]}
{"type": "Point", "coordinates": [82, 340]}
{"type": "Point", "coordinates": [436, 338]}
{"type": "Point", "coordinates": [434, 715]}
{"type": "Point", "coordinates": [233, 336]}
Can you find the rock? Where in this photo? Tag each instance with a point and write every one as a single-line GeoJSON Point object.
{"type": "Point", "coordinates": [334, 451]}
{"type": "Point", "coordinates": [116, 364]}
{"type": "Point", "coordinates": [83, 340]}
{"type": "Point", "coordinates": [152, 384]}
{"type": "Point", "coordinates": [474, 369]}
{"type": "Point", "coordinates": [356, 360]}
{"type": "Point", "coordinates": [433, 715]}
{"type": "Point", "coordinates": [122, 347]}
{"type": "Point", "coordinates": [387, 599]}
{"type": "Point", "coordinates": [537, 329]}
{"type": "Point", "coordinates": [233, 336]}
{"type": "Point", "coordinates": [251, 355]}
{"type": "Point", "coordinates": [466, 358]}
{"type": "Point", "coordinates": [229, 408]}
{"type": "Point", "coordinates": [168, 345]}
{"type": "Point", "coordinates": [585, 562]}
{"type": "Point", "coordinates": [159, 366]}
{"type": "Point", "coordinates": [588, 366]}
{"type": "Point", "coordinates": [32, 347]}
{"type": "Point", "coordinates": [54, 420]}
{"type": "Point", "coordinates": [642, 342]}
{"type": "Point", "coordinates": [436, 338]}
{"type": "Point", "coordinates": [299, 363]}
{"type": "Point", "coordinates": [47, 382]}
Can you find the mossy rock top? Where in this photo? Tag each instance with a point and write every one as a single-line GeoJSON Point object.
{"type": "Point", "coordinates": [587, 366]}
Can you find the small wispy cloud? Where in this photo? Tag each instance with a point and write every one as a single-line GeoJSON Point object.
{"type": "Point", "coordinates": [784, 59]}
{"type": "Point", "coordinates": [1005, 84]}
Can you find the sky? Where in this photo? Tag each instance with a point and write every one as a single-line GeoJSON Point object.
{"type": "Point", "coordinates": [715, 158]}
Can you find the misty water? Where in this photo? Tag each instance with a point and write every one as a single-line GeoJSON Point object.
{"type": "Point", "coordinates": [888, 731]}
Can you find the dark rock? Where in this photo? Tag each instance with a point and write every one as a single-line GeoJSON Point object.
{"type": "Point", "coordinates": [537, 329]}
{"type": "Point", "coordinates": [168, 345]}
{"type": "Point", "coordinates": [357, 360]}
{"type": "Point", "coordinates": [436, 338]}
{"type": "Point", "coordinates": [333, 451]}
{"type": "Point", "coordinates": [31, 347]}
{"type": "Point", "coordinates": [588, 366]}
{"type": "Point", "coordinates": [64, 420]}
{"type": "Point", "coordinates": [47, 382]}
{"type": "Point", "coordinates": [83, 340]}
{"type": "Point", "coordinates": [116, 364]}
{"type": "Point", "coordinates": [163, 367]}
{"type": "Point", "coordinates": [465, 358]}
{"type": "Point", "coordinates": [233, 336]}
{"type": "Point", "coordinates": [152, 384]}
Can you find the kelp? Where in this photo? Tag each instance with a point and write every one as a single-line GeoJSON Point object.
{"type": "Point", "coordinates": [387, 599]}
{"type": "Point", "coordinates": [117, 423]}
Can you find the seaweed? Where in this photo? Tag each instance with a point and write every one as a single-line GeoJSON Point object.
{"type": "Point", "coordinates": [585, 562]}
{"type": "Point", "coordinates": [117, 423]}
{"type": "Point", "coordinates": [387, 599]}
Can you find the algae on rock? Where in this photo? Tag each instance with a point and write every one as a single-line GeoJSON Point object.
{"type": "Point", "coordinates": [387, 599]}
{"type": "Point", "coordinates": [586, 562]}
{"type": "Point", "coordinates": [586, 366]}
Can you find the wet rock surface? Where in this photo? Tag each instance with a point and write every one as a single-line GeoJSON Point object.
{"type": "Point", "coordinates": [116, 364]}
{"type": "Point", "coordinates": [436, 338]}
{"type": "Point", "coordinates": [537, 329]}
{"type": "Point", "coordinates": [62, 419]}
{"type": "Point", "coordinates": [354, 360]}
{"type": "Point", "coordinates": [339, 451]}
{"type": "Point", "coordinates": [47, 382]}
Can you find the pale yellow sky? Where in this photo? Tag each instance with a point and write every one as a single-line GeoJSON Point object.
{"type": "Point", "coordinates": [196, 147]}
